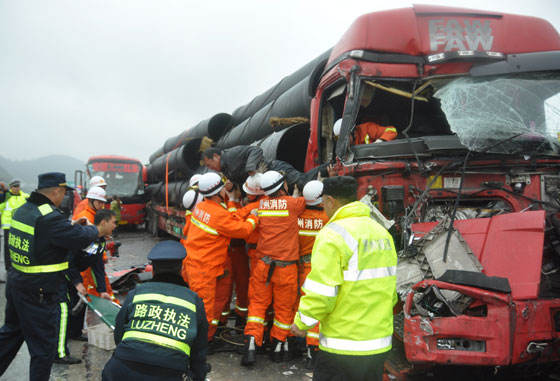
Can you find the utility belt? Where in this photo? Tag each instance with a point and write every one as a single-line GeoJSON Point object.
{"type": "Point", "coordinates": [236, 242]}
{"type": "Point", "coordinates": [305, 258]}
{"type": "Point", "coordinates": [273, 263]}
{"type": "Point", "coordinates": [250, 246]}
{"type": "Point", "coordinates": [154, 370]}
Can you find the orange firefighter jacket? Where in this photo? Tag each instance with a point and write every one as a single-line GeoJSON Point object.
{"type": "Point", "coordinates": [309, 223]}
{"type": "Point", "coordinates": [369, 132]}
{"type": "Point", "coordinates": [212, 227]}
{"type": "Point", "coordinates": [278, 227]}
{"type": "Point", "coordinates": [82, 205]}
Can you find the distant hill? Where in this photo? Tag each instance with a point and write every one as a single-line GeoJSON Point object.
{"type": "Point", "coordinates": [5, 176]}
{"type": "Point", "coordinates": [27, 170]}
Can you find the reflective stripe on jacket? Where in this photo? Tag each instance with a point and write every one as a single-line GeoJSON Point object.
{"type": "Point", "coordinates": [212, 227]}
{"type": "Point", "coordinates": [351, 289]}
{"type": "Point", "coordinates": [8, 207]}
{"type": "Point", "coordinates": [163, 324]}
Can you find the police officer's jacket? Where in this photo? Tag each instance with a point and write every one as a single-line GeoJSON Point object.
{"type": "Point", "coordinates": [40, 238]}
{"type": "Point", "coordinates": [163, 323]}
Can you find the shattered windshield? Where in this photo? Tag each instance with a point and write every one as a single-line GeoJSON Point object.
{"type": "Point", "coordinates": [508, 115]}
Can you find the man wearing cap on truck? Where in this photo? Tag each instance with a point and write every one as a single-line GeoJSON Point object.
{"type": "Point", "coordinates": [14, 198]}
{"type": "Point", "coordinates": [212, 227]}
{"type": "Point", "coordinates": [161, 330]}
{"type": "Point", "coordinates": [36, 309]}
{"type": "Point", "coordinates": [274, 279]}
{"type": "Point", "coordinates": [95, 181]}
{"type": "Point", "coordinates": [351, 289]}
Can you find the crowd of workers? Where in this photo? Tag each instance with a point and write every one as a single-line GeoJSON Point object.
{"type": "Point", "coordinates": [315, 267]}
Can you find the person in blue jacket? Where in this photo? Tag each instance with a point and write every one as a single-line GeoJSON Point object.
{"type": "Point", "coordinates": [40, 238]}
{"type": "Point", "coordinates": [161, 330]}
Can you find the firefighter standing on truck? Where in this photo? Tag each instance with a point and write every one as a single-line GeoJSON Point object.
{"type": "Point", "coordinates": [310, 222]}
{"type": "Point", "coordinates": [212, 227]}
{"type": "Point", "coordinates": [274, 279]}
{"type": "Point", "coordinates": [161, 329]}
{"type": "Point", "coordinates": [36, 309]}
{"type": "Point", "coordinates": [351, 289]}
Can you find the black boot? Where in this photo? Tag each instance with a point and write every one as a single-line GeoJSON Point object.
{"type": "Point", "coordinates": [310, 357]}
{"type": "Point", "coordinates": [250, 356]}
{"type": "Point", "coordinates": [277, 354]}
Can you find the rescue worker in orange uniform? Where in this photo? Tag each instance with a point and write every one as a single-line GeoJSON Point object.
{"type": "Point", "coordinates": [191, 199]}
{"type": "Point", "coordinates": [189, 202]}
{"type": "Point", "coordinates": [96, 201]}
{"type": "Point", "coordinates": [371, 132]}
{"type": "Point", "coordinates": [240, 256]}
{"type": "Point", "coordinates": [274, 279]}
{"type": "Point", "coordinates": [95, 181]}
{"type": "Point", "coordinates": [310, 222]}
{"type": "Point", "coordinates": [212, 227]}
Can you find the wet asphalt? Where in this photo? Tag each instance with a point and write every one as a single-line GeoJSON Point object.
{"type": "Point", "coordinates": [225, 366]}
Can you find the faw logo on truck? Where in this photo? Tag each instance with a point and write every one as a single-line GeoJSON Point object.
{"type": "Point", "coordinates": [466, 34]}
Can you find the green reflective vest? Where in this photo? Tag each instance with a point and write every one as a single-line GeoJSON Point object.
{"type": "Point", "coordinates": [162, 315]}
{"type": "Point", "coordinates": [351, 289]}
{"type": "Point", "coordinates": [21, 242]}
{"type": "Point", "coordinates": [8, 207]}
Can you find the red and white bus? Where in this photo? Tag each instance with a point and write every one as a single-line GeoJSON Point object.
{"type": "Point", "coordinates": [124, 180]}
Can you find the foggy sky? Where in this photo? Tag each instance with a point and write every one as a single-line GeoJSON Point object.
{"type": "Point", "coordinates": [120, 77]}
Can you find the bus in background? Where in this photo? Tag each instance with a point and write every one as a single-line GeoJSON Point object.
{"type": "Point", "coordinates": [124, 180]}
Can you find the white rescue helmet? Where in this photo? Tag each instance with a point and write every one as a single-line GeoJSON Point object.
{"type": "Point", "coordinates": [252, 185]}
{"type": "Point", "coordinates": [191, 198]}
{"type": "Point", "coordinates": [96, 193]}
{"type": "Point", "coordinates": [210, 184]}
{"type": "Point", "coordinates": [194, 179]}
{"type": "Point", "coordinates": [97, 181]}
{"type": "Point", "coordinates": [336, 127]}
{"type": "Point", "coordinates": [313, 192]}
{"type": "Point", "coordinates": [271, 181]}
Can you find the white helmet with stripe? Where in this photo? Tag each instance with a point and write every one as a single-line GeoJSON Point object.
{"type": "Point", "coordinates": [97, 181]}
{"type": "Point", "coordinates": [210, 184]}
{"type": "Point", "coordinates": [191, 198]}
{"type": "Point", "coordinates": [252, 185]}
{"type": "Point", "coordinates": [271, 181]}
{"type": "Point", "coordinates": [97, 193]}
{"type": "Point", "coordinates": [313, 192]}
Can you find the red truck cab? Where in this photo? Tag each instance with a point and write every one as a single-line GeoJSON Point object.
{"type": "Point", "coordinates": [474, 97]}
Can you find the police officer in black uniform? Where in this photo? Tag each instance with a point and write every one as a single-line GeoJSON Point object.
{"type": "Point", "coordinates": [161, 330]}
{"type": "Point", "coordinates": [36, 309]}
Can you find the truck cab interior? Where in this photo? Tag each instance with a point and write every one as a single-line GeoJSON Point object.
{"type": "Point", "coordinates": [449, 116]}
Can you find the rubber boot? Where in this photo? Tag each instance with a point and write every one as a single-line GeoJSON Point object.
{"type": "Point", "coordinates": [250, 356]}
{"type": "Point", "coordinates": [310, 357]}
{"type": "Point", "coordinates": [277, 354]}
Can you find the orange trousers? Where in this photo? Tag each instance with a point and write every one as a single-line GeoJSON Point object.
{"type": "Point", "coordinates": [240, 277]}
{"type": "Point", "coordinates": [224, 288]}
{"type": "Point", "coordinates": [213, 290]}
{"type": "Point", "coordinates": [281, 292]}
{"type": "Point", "coordinates": [304, 269]}
{"type": "Point", "coordinates": [90, 283]}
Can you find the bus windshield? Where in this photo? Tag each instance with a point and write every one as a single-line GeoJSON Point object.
{"type": "Point", "coordinates": [123, 179]}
